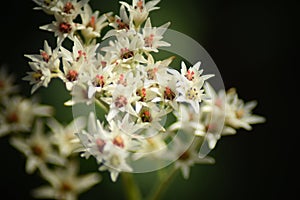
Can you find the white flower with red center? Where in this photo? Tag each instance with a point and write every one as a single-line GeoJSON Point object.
{"type": "Point", "coordinates": [62, 28]}
{"type": "Point", "coordinates": [93, 22]}
{"type": "Point", "coordinates": [94, 139]}
{"type": "Point", "coordinates": [186, 156]}
{"type": "Point", "coordinates": [190, 85]}
{"type": "Point", "coordinates": [155, 72]}
{"type": "Point", "coordinates": [99, 80]}
{"type": "Point", "coordinates": [64, 136]}
{"type": "Point", "coordinates": [80, 53]}
{"type": "Point", "coordinates": [37, 148]}
{"type": "Point", "coordinates": [69, 9]}
{"type": "Point", "coordinates": [122, 99]}
{"type": "Point", "coordinates": [139, 10]}
{"type": "Point", "coordinates": [167, 93]}
{"type": "Point", "coordinates": [239, 114]}
{"type": "Point", "coordinates": [47, 57]}
{"type": "Point", "coordinates": [120, 24]}
{"type": "Point", "coordinates": [71, 73]}
{"type": "Point", "coordinates": [6, 84]}
{"type": "Point", "coordinates": [125, 49]}
{"type": "Point", "coordinates": [40, 76]}
{"type": "Point", "coordinates": [19, 113]}
{"type": "Point", "coordinates": [65, 183]}
{"type": "Point", "coordinates": [153, 35]}
{"type": "Point", "coordinates": [151, 118]}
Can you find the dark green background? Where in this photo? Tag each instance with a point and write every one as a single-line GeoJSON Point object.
{"type": "Point", "coordinates": [253, 46]}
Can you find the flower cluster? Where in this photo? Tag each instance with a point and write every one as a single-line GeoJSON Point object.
{"type": "Point", "coordinates": [148, 110]}
{"type": "Point", "coordinates": [51, 152]}
{"type": "Point", "coordinates": [135, 91]}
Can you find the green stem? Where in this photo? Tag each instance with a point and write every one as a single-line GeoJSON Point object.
{"type": "Point", "coordinates": [102, 105]}
{"type": "Point", "coordinates": [131, 189]}
{"type": "Point", "coordinates": [163, 184]}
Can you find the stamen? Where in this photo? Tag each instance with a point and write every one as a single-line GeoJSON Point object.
{"type": "Point", "coordinates": [169, 94]}
{"type": "Point", "coordinates": [68, 8]}
{"type": "Point", "coordinates": [72, 75]}
{"type": "Point", "coordinates": [65, 27]}
{"type": "Point", "coordinates": [118, 141]}
{"type": "Point", "coordinates": [121, 101]}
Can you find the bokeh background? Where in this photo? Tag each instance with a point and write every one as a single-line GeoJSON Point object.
{"type": "Point", "coordinates": [251, 42]}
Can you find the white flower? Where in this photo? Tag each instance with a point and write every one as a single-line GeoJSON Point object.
{"type": "Point", "coordinates": [190, 84]}
{"type": "Point", "coordinates": [93, 22]}
{"type": "Point", "coordinates": [122, 99]}
{"type": "Point", "coordinates": [69, 9]}
{"type": "Point", "coordinates": [41, 76]}
{"type": "Point", "coordinates": [126, 49]}
{"type": "Point", "coordinates": [152, 36]}
{"type": "Point", "coordinates": [64, 136]}
{"type": "Point", "coordinates": [65, 183]}
{"type": "Point", "coordinates": [115, 162]}
{"type": "Point", "coordinates": [19, 114]}
{"type": "Point", "coordinates": [6, 83]}
{"type": "Point", "coordinates": [139, 11]}
{"type": "Point", "coordinates": [37, 148]}
{"type": "Point", "coordinates": [47, 57]}
{"type": "Point", "coordinates": [239, 114]}
{"type": "Point", "coordinates": [186, 157]}
{"type": "Point", "coordinates": [62, 28]}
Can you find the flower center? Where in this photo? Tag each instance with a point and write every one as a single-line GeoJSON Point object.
{"type": "Point", "coordinates": [100, 145]}
{"type": "Point", "coordinates": [37, 150]}
{"type": "Point", "coordinates": [149, 40]}
{"type": "Point", "coordinates": [146, 116]}
{"type": "Point", "coordinates": [12, 118]}
{"type": "Point", "coordinates": [151, 73]}
{"type": "Point", "coordinates": [121, 101]}
{"type": "Point", "coordinates": [139, 5]}
{"type": "Point", "coordinates": [37, 75]}
{"type": "Point", "coordinates": [126, 53]}
{"type": "Point", "coordinates": [65, 27]}
{"type": "Point", "coordinates": [239, 113]}
{"type": "Point", "coordinates": [66, 187]}
{"type": "Point", "coordinates": [169, 94]}
{"type": "Point", "coordinates": [99, 81]}
{"type": "Point", "coordinates": [92, 23]}
{"type": "Point", "coordinates": [118, 141]}
{"type": "Point", "coordinates": [190, 75]}
{"type": "Point", "coordinates": [115, 160]}
{"type": "Point", "coordinates": [122, 80]}
{"type": "Point", "coordinates": [142, 94]}
{"type": "Point", "coordinates": [68, 8]}
{"type": "Point", "coordinates": [46, 57]}
{"type": "Point", "coordinates": [72, 75]}
{"type": "Point", "coordinates": [192, 93]}
{"type": "Point", "coordinates": [122, 25]}
{"type": "Point", "coordinates": [80, 55]}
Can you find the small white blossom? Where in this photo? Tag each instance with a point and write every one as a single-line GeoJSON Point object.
{"type": "Point", "coordinates": [41, 76]}
{"type": "Point", "coordinates": [19, 114]}
{"type": "Point", "coordinates": [139, 10]}
{"type": "Point", "coordinates": [7, 86]}
{"type": "Point", "coordinates": [65, 183]}
{"type": "Point", "coordinates": [64, 136]}
{"type": "Point", "coordinates": [37, 148]}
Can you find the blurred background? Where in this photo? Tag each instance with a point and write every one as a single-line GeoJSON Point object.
{"type": "Point", "coordinates": [253, 46]}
